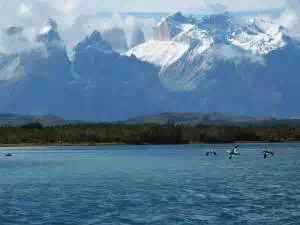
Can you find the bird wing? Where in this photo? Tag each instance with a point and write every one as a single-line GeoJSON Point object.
{"type": "Point", "coordinates": [236, 151]}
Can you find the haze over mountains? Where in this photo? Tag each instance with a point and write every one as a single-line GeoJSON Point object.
{"type": "Point", "coordinates": [214, 63]}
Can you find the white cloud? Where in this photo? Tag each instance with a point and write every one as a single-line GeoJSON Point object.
{"type": "Point", "coordinates": [216, 7]}
{"type": "Point", "coordinates": [24, 10]}
{"type": "Point", "coordinates": [291, 18]}
{"type": "Point", "coordinates": [33, 13]}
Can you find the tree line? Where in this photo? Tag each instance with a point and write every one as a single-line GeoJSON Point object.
{"type": "Point", "coordinates": [36, 133]}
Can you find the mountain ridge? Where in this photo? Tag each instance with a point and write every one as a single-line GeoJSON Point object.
{"type": "Point", "coordinates": [194, 64]}
{"type": "Point", "coordinates": [192, 119]}
{"type": "Point", "coordinates": [195, 119]}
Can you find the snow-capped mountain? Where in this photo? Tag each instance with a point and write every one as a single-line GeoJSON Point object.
{"type": "Point", "coordinates": [112, 85]}
{"type": "Point", "coordinates": [188, 41]}
{"type": "Point", "coordinates": [49, 32]}
{"type": "Point", "coordinates": [222, 63]}
{"type": "Point", "coordinates": [34, 80]}
{"type": "Point", "coordinates": [215, 63]}
{"type": "Point", "coordinates": [97, 84]}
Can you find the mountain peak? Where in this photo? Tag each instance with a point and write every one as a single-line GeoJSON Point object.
{"type": "Point", "coordinates": [173, 18]}
{"type": "Point", "coordinates": [95, 40]}
{"type": "Point", "coordinates": [116, 38]}
{"type": "Point", "coordinates": [49, 32]}
{"type": "Point", "coordinates": [171, 26]}
{"type": "Point", "coordinates": [221, 19]}
{"type": "Point", "coordinates": [50, 25]}
{"type": "Point", "coordinates": [178, 17]}
{"type": "Point", "coordinates": [95, 35]}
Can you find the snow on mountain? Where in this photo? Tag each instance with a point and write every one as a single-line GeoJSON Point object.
{"type": "Point", "coordinates": [98, 84]}
{"type": "Point", "coordinates": [113, 85]}
{"type": "Point", "coordinates": [160, 53]}
{"type": "Point", "coordinates": [261, 36]}
{"type": "Point", "coordinates": [188, 48]}
{"type": "Point", "coordinates": [214, 63]}
{"type": "Point", "coordinates": [9, 68]}
{"type": "Point", "coordinates": [14, 39]}
{"type": "Point", "coordinates": [10, 62]}
{"type": "Point", "coordinates": [36, 80]}
{"type": "Point", "coordinates": [226, 64]}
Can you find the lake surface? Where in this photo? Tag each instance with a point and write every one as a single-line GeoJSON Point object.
{"type": "Point", "coordinates": [149, 185]}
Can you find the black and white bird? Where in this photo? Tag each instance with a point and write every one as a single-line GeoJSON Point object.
{"type": "Point", "coordinates": [234, 152]}
{"type": "Point", "coordinates": [212, 153]}
{"type": "Point", "coordinates": [267, 153]}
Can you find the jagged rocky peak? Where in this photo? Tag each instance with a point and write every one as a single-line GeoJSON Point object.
{"type": "Point", "coordinates": [95, 36]}
{"type": "Point", "coordinates": [49, 32]}
{"type": "Point", "coordinates": [282, 28]}
{"type": "Point", "coordinates": [178, 17]}
{"type": "Point", "coordinates": [221, 19]}
{"type": "Point", "coordinates": [95, 41]}
{"type": "Point", "coordinates": [189, 48]}
{"type": "Point", "coordinates": [137, 37]}
{"type": "Point", "coordinates": [169, 27]}
{"type": "Point", "coordinates": [14, 30]}
{"type": "Point", "coordinates": [116, 38]}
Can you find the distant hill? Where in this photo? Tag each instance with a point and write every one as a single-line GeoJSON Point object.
{"type": "Point", "coordinates": [209, 119]}
{"type": "Point", "coordinates": [8, 119]}
{"type": "Point", "coordinates": [296, 117]}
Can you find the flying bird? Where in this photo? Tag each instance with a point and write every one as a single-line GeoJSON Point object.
{"type": "Point", "coordinates": [267, 153]}
{"type": "Point", "coordinates": [234, 152]}
{"type": "Point", "coordinates": [211, 152]}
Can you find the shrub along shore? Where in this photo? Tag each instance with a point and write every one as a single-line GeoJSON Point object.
{"type": "Point", "coordinates": [97, 134]}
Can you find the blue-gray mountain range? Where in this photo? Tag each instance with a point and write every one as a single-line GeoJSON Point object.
{"type": "Point", "coordinates": [193, 64]}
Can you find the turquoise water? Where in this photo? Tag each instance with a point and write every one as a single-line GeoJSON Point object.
{"type": "Point", "coordinates": [149, 185]}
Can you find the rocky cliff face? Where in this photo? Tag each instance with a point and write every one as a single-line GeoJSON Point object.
{"type": "Point", "coordinates": [211, 64]}
{"type": "Point", "coordinates": [115, 86]}
{"type": "Point", "coordinates": [137, 37]}
{"type": "Point", "coordinates": [220, 63]}
{"type": "Point", "coordinates": [116, 38]}
{"type": "Point", "coordinates": [169, 27]}
{"type": "Point", "coordinates": [99, 84]}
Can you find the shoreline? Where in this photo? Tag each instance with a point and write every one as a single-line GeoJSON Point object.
{"type": "Point", "coordinates": [58, 145]}
{"type": "Point", "coordinates": [123, 144]}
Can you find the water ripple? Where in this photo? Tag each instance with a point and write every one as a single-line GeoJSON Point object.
{"type": "Point", "coordinates": [166, 185]}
